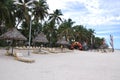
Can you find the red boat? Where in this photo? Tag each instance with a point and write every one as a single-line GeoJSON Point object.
{"type": "Point", "coordinates": [76, 45]}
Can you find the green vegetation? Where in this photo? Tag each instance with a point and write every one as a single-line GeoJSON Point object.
{"type": "Point", "coordinates": [19, 13]}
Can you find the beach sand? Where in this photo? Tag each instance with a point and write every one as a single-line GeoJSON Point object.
{"type": "Point", "coordinates": [73, 65]}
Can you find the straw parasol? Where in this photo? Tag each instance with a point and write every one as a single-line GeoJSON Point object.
{"type": "Point", "coordinates": [13, 34]}
{"type": "Point", "coordinates": [62, 42]}
{"type": "Point", "coordinates": [40, 38]}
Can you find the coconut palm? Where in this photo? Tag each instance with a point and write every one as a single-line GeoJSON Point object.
{"type": "Point", "coordinates": [40, 11]}
{"type": "Point", "coordinates": [55, 17]}
{"type": "Point", "coordinates": [7, 13]}
{"type": "Point", "coordinates": [51, 32]}
{"type": "Point", "coordinates": [65, 29]}
{"type": "Point", "coordinates": [23, 7]}
{"type": "Point", "coordinates": [4, 11]}
{"type": "Point", "coordinates": [24, 14]}
{"type": "Point", "coordinates": [52, 24]}
{"type": "Point", "coordinates": [80, 33]}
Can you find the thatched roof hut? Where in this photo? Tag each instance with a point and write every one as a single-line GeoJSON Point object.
{"type": "Point", "coordinates": [40, 38]}
{"type": "Point", "coordinates": [13, 34]}
{"type": "Point", "coordinates": [62, 42]}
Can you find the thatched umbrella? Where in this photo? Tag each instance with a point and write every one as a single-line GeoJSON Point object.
{"type": "Point", "coordinates": [13, 34]}
{"type": "Point", "coordinates": [62, 42]}
{"type": "Point", "coordinates": [41, 38]}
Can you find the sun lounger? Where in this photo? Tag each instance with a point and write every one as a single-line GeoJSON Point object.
{"type": "Point", "coordinates": [41, 51]}
{"type": "Point", "coordinates": [21, 57]}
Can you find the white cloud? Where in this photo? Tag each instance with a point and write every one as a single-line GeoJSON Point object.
{"type": "Point", "coordinates": [93, 6]}
{"type": "Point", "coordinates": [95, 13]}
{"type": "Point", "coordinates": [56, 4]}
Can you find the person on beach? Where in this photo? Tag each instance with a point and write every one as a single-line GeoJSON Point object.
{"type": "Point", "coordinates": [85, 47]}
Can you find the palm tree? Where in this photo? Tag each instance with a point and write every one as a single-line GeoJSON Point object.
{"type": "Point", "coordinates": [3, 14]}
{"type": "Point", "coordinates": [24, 14]}
{"type": "Point", "coordinates": [36, 28]}
{"type": "Point", "coordinates": [23, 7]}
{"type": "Point", "coordinates": [66, 30]}
{"type": "Point", "coordinates": [80, 33]}
{"type": "Point", "coordinates": [7, 15]}
{"type": "Point", "coordinates": [55, 17]}
{"type": "Point", "coordinates": [4, 11]}
{"type": "Point", "coordinates": [50, 32]}
{"type": "Point", "coordinates": [40, 11]}
{"type": "Point", "coordinates": [53, 22]}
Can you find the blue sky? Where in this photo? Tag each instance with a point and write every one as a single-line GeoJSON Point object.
{"type": "Point", "coordinates": [101, 15]}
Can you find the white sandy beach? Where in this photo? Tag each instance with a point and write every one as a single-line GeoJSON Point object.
{"type": "Point", "coordinates": [74, 65]}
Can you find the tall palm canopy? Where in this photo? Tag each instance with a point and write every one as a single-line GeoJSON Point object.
{"type": "Point", "coordinates": [40, 11]}
{"type": "Point", "coordinates": [66, 29]}
{"type": "Point", "coordinates": [7, 13]}
{"type": "Point", "coordinates": [55, 16]}
{"type": "Point", "coordinates": [24, 6]}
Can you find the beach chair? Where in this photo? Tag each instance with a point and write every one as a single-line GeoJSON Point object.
{"type": "Point", "coordinates": [22, 58]}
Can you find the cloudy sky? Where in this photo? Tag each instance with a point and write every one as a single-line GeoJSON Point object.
{"type": "Point", "coordinates": [101, 15]}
